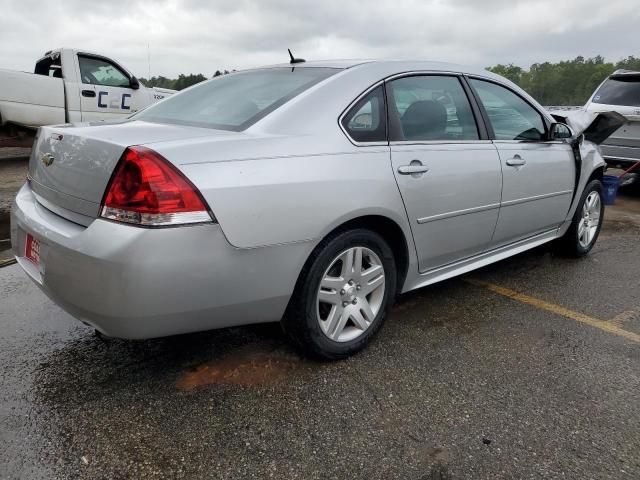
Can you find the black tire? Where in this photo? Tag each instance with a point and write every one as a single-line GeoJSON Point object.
{"type": "Point", "coordinates": [300, 321]}
{"type": "Point", "coordinates": [569, 244]}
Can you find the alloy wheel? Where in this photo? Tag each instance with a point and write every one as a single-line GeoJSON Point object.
{"type": "Point", "coordinates": [350, 294]}
{"type": "Point", "coordinates": [590, 220]}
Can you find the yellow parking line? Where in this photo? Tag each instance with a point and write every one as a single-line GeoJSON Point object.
{"type": "Point", "coordinates": [610, 327]}
{"type": "Point", "coordinates": [619, 319]}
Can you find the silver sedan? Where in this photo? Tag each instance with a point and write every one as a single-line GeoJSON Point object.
{"type": "Point", "coordinates": [311, 194]}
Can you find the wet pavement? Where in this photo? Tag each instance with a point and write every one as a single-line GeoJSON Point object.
{"type": "Point", "coordinates": [462, 382]}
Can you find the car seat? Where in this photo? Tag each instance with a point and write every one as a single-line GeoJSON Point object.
{"type": "Point", "coordinates": [424, 120]}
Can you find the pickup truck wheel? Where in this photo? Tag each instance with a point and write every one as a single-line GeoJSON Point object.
{"type": "Point", "coordinates": [586, 224]}
{"type": "Point", "coordinates": [342, 296]}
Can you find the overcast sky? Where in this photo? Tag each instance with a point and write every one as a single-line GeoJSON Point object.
{"type": "Point", "coordinates": [200, 36]}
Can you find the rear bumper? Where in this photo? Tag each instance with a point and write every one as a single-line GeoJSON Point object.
{"type": "Point", "coordinates": [131, 282]}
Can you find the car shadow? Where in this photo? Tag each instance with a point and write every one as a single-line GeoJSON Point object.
{"type": "Point", "coordinates": [248, 355]}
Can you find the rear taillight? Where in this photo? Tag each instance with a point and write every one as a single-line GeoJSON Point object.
{"type": "Point", "coordinates": [148, 191]}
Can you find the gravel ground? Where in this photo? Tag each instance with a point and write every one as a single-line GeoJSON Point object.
{"type": "Point", "coordinates": [462, 383]}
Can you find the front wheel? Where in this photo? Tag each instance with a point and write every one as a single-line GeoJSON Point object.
{"type": "Point", "coordinates": [342, 295]}
{"type": "Point", "coordinates": [587, 222]}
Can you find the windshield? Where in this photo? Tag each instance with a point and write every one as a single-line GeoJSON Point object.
{"type": "Point", "coordinates": [237, 100]}
{"type": "Point", "coordinates": [619, 91]}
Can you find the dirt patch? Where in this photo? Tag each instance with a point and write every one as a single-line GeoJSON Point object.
{"type": "Point", "coordinates": [247, 366]}
{"type": "Point", "coordinates": [13, 173]}
{"type": "Point", "coordinates": [5, 242]}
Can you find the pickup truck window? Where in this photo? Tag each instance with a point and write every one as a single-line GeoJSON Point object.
{"type": "Point", "coordinates": [235, 101]}
{"type": "Point", "coordinates": [49, 66]}
{"type": "Point", "coordinates": [97, 71]}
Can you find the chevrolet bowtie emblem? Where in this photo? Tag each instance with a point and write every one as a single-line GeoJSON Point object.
{"type": "Point", "coordinates": [47, 159]}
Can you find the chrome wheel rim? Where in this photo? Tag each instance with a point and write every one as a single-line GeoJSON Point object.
{"type": "Point", "coordinates": [350, 294]}
{"type": "Point", "coordinates": [590, 220]}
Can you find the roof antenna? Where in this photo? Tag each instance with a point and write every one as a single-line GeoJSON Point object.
{"type": "Point", "coordinates": [293, 59]}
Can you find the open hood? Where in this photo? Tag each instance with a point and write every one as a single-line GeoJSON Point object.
{"type": "Point", "coordinates": [595, 126]}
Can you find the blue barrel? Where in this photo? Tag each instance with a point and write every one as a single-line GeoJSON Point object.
{"type": "Point", "coordinates": [611, 183]}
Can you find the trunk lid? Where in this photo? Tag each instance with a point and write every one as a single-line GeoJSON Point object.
{"type": "Point", "coordinates": [71, 165]}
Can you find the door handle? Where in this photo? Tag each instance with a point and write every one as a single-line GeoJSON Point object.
{"type": "Point", "coordinates": [516, 161]}
{"type": "Point", "coordinates": [88, 93]}
{"type": "Point", "coordinates": [415, 168]}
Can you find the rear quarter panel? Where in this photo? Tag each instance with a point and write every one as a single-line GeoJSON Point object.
{"type": "Point", "coordinates": [286, 197]}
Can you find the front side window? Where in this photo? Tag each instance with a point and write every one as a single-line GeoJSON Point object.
{"type": "Point", "coordinates": [431, 108]}
{"type": "Point", "coordinates": [511, 117]}
{"type": "Point", "coordinates": [367, 119]}
{"type": "Point", "coordinates": [96, 71]}
{"type": "Point", "coordinates": [235, 101]}
{"type": "Point", "coordinates": [623, 91]}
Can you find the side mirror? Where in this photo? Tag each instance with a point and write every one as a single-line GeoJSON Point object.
{"type": "Point", "coordinates": [134, 83]}
{"type": "Point", "coordinates": [559, 131]}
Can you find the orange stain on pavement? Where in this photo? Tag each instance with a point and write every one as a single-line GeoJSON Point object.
{"type": "Point", "coordinates": [242, 367]}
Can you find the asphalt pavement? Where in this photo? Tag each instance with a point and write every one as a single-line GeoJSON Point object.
{"type": "Point", "coordinates": [529, 368]}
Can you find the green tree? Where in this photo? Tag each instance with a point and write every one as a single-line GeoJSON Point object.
{"type": "Point", "coordinates": [569, 82]}
{"type": "Point", "coordinates": [511, 72]}
{"type": "Point", "coordinates": [183, 81]}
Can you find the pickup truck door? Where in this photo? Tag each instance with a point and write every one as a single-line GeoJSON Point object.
{"type": "Point", "coordinates": [106, 90]}
{"type": "Point", "coordinates": [538, 174]}
{"type": "Point", "coordinates": [447, 170]}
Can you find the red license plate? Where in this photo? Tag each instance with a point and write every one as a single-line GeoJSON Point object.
{"type": "Point", "coordinates": [32, 250]}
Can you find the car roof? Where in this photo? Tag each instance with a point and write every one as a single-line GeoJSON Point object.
{"type": "Point", "coordinates": [624, 73]}
{"type": "Point", "coordinates": [399, 65]}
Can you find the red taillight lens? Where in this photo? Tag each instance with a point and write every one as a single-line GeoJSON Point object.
{"type": "Point", "coordinates": [147, 190]}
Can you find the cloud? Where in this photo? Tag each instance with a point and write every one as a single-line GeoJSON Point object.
{"type": "Point", "coordinates": [201, 36]}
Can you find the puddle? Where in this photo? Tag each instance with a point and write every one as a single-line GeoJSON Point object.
{"type": "Point", "coordinates": [243, 367]}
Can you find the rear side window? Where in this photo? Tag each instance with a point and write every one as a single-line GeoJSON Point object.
{"type": "Point", "coordinates": [235, 101]}
{"type": "Point", "coordinates": [623, 91]}
{"type": "Point", "coordinates": [511, 117]}
{"type": "Point", "coordinates": [367, 119]}
{"type": "Point", "coordinates": [50, 66]}
{"type": "Point", "coordinates": [431, 108]}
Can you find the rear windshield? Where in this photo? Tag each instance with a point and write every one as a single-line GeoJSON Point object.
{"type": "Point", "coordinates": [237, 100]}
{"type": "Point", "coordinates": [619, 91]}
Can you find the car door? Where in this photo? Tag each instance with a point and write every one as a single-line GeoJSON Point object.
{"type": "Point", "coordinates": [538, 174]}
{"type": "Point", "coordinates": [106, 89]}
{"type": "Point", "coordinates": [447, 171]}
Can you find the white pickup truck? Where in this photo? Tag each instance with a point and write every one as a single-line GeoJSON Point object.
{"type": "Point", "coordinates": [70, 85]}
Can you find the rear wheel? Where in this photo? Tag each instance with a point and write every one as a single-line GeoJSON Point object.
{"type": "Point", "coordinates": [342, 296]}
{"type": "Point", "coordinates": [587, 222]}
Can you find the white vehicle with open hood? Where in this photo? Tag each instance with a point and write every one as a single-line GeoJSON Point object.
{"type": "Point", "coordinates": [70, 85]}
{"type": "Point", "coordinates": [610, 118]}
{"type": "Point", "coordinates": [620, 93]}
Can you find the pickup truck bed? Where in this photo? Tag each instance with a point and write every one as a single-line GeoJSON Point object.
{"type": "Point", "coordinates": [31, 96]}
